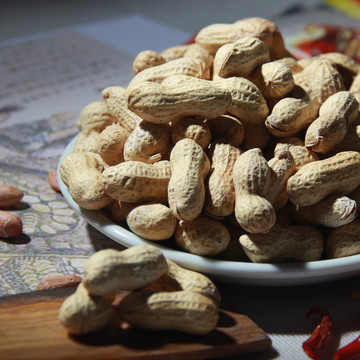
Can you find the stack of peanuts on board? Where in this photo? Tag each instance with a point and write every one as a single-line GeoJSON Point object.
{"type": "Point", "coordinates": [229, 141]}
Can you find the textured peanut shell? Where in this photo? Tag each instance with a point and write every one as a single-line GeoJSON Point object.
{"type": "Point", "coordinates": [191, 128]}
{"type": "Point", "coordinates": [111, 144]}
{"type": "Point", "coordinates": [323, 78]}
{"type": "Point", "coordinates": [284, 244]}
{"type": "Point", "coordinates": [135, 181]}
{"type": "Point", "coordinates": [161, 104]}
{"type": "Point", "coordinates": [148, 143]}
{"type": "Point", "coordinates": [87, 142]}
{"type": "Point", "coordinates": [95, 117]}
{"type": "Point", "coordinates": [240, 58]}
{"type": "Point", "coordinates": [343, 241]}
{"type": "Point", "coordinates": [247, 102]}
{"type": "Point", "coordinates": [333, 211]}
{"type": "Point", "coordinates": [202, 236]}
{"type": "Point", "coordinates": [115, 100]}
{"type": "Point", "coordinates": [82, 313]}
{"type": "Point", "coordinates": [336, 114]}
{"type": "Point", "coordinates": [338, 174]}
{"type": "Point", "coordinates": [119, 210]}
{"type": "Point", "coordinates": [110, 270]}
{"type": "Point", "coordinates": [185, 311]}
{"type": "Point", "coordinates": [81, 173]}
{"type": "Point", "coordinates": [300, 153]}
{"type": "Point", "coordinates": [220, 195]}
{"type": "Point", "coordinates": [252, 179]}
{"type": "Point", "coordinates": [174, 52]}
{"type": "Point", "coordinates": [293, 113]}
{"type": "Point", "coordinates": [186, 190]}
{"type": "Point", "coordinates": [147, 59]}
{"type": "Point", "coordinates": [182, 66]}
{"type": "Point", "coordinates": [152, 221]}
{"type": "Point", "coordinates": [274, 80]}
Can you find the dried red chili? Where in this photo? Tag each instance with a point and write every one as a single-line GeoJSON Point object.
{"type": "Point", "coordinates": [349, 351]}
{"type": "Point", "coordinates": [315, 344]}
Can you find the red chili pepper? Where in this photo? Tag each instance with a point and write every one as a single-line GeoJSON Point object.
{"type": "Point", "coordinates": [314, 346]}
{"type": "Point", "coordinates": [349, 351]}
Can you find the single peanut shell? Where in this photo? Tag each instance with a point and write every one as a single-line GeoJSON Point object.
{"type": "Point", "coordinates": [136, 181]}
{"type": "Point", "coordinates": [147, 59]}
{"type": "Point", "coordinates": [152, 221]}
{"type": "Point", "coordinates": [186, 190]}
{"type": "Point", "coordinates": [185, 311]}
{"type": "Point", "coordinates": [338, 174]}
{"type": "Point", "coordinates": [343, 241]}
{"type": "Point", "coordinates": [203, 236]}
{"type": "Point", "coordinates": [282, 243]}
{"type": "Point", "coordinates": [148, 143]}
{"type": "Point", "coordinates": [110, 270]}
{"type": "Point", "coordinates": [82, 313]}
{"type": "Point", "coordinates": [333, 211]}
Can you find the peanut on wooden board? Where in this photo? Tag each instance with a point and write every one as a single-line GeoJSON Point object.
{"type": "Point", "coordinates": [161, 294]}
{"type": "Point", "coordinates": [243, 145]}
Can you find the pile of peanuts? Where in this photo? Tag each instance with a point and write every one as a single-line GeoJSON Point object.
{"type": "Point", "coordinates": [160, 295]}
{"type": "Point", "coordinates": [228, 143]}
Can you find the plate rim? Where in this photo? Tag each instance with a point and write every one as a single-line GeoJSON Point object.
{"type": "Point", "coordinates": [247, 273]}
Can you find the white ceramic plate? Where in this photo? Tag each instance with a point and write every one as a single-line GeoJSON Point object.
{"type": "Point", "coordinates": [237, 272]}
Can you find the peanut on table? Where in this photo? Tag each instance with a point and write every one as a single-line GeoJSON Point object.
{"type": "Point", "coordinates": [230, 132]}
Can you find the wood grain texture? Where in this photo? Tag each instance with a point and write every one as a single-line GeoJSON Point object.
{"type": "Point", "coordinates": [29, 329]}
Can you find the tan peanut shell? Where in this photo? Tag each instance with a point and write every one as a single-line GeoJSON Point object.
{"type": "Point", "coordinates": [338, 174]}
{"type": "Point", "coordinates": [282, 166]}
{"type": "Point", "coordinates": [240, 58]}
{"type": "Point", "coordinates": [293, 113]}
{"type": "Point", "coordinates": [323, 78]}
{"type": "Point", "coordinates": [115, 100]}
{"type": "Point", "coordinates": [174, 52]}
{"type": "Point", "coordinates": [343, 241]}
{"type": "Point", "coordinates": [148, 143]}
{"type": "Point", "coordinates": [119, 210]}
{"type": "Point", "coordinates": [300, 153]}
{"type": "Point", "coordinates": [247, 102]}
{"type": "Point", "coordinates": [81, 173]}
{"type": "Point", "coordinates": [87, 142]}
{"type": "Point", "coordinates": [95, 117]}
{"type": "Point", "coordinates": [274, 79]}
{"type": "Point", "coordinates": [333, 211]}
{"type": "Point", "coordinates": [220, 195]}
{"type": "Point", "coordinates": [110, 270]}
{"type": "Point", "coordinates": [82, 313]}
{"type": "Point", "coordinates": [284, 243]}
{"type": "Point", "coordinates": [152, 221]}
{"type": "Point", "coordinates": [193, 281]}
{"type": "Point", "coordinates": [191, 128]}
{"type": "Point", "coordinates": [182, 66]}
{"type": "Point", "coordinates": [147, 59]}
{"type": "Point", "coordinates": [135, 181]}
{"type": "Point", "coordinates": [159, 103]}
{"type": "Point", "coordinates": [202, 236]}
{"type": "Point", "coordinates": [186, 311]}
{"type": "Point", "coordinates": [252, 179]}
{"type": "Point", "coordinates": [336, 114]}
{"type": "Point", "coordinates": [111, 143]}
{"type": "Point", "coordinates": [186, 190]}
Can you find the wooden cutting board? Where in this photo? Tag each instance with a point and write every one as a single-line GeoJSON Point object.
{"type": "Point", "coordinates": [29, 329]}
